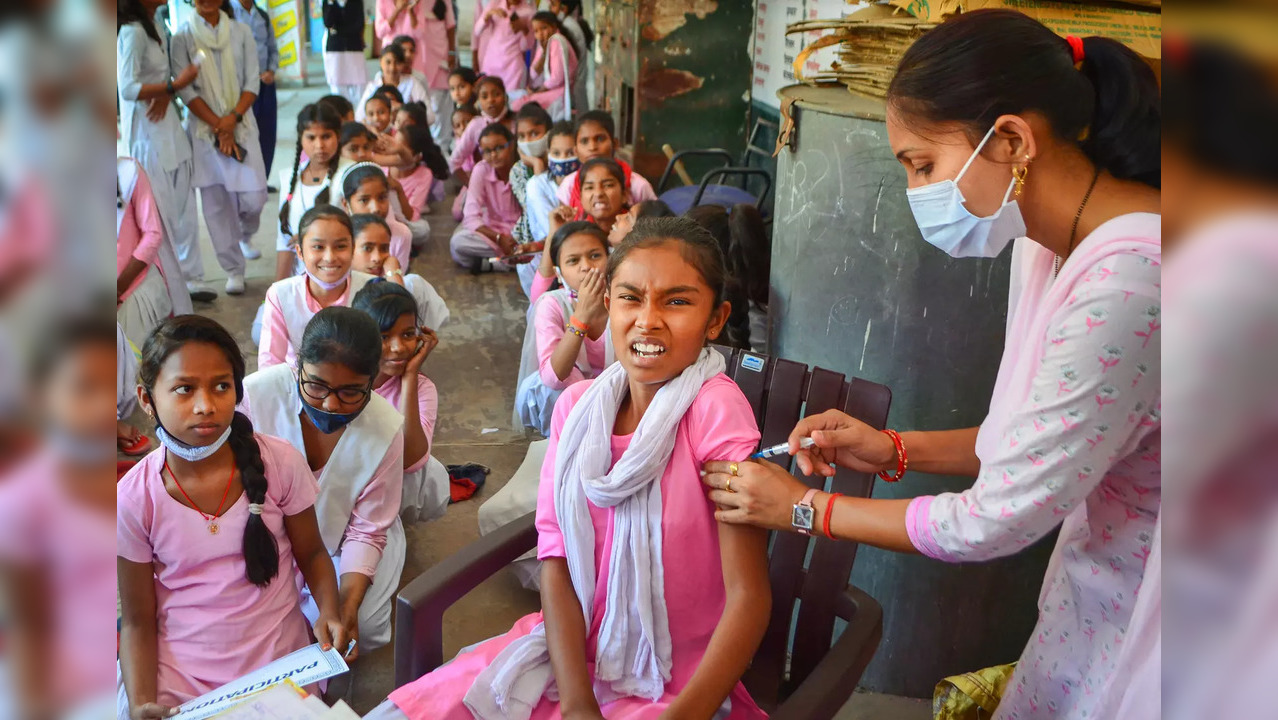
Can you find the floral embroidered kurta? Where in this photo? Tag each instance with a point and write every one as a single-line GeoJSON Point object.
{"type": "Point", "coordinates": [1081, 449]}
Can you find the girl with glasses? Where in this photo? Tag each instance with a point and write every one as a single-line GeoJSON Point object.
{"type": "Point", "coordinates": [353, 441]}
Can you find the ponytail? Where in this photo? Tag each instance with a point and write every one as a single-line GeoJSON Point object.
{"type": "Point", "coordinates": [1125, 134]}
{"type": "Point", "coordinates": [979, 65]}
{"type": "Point", "coordinates": [261, 552]}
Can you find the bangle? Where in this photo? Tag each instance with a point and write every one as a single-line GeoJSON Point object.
{"type": "Point", "coordinates": [902, 461]}
{"type": "Point", "coordinates": [396, 271]}
{"type": "Point", "coordinates": [575, 331]}
{"type": "Point", "coordinates": [578, 324]}
{"type": "Point", "coordinates": [829, 510]}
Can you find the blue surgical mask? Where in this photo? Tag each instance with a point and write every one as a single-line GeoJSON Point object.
{"type": "Point", "coordinates": [563, 168]}
{"type": "Point", "coordinates": [327, 422]}
{"type": "Point", "coordinates": [189, 453]}
{"type": "Point", "coordinates": [945, 222]}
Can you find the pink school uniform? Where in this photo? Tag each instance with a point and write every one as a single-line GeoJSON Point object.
{"type": "Point", "coordinates": [719, 425]}
{"type": "Point", "coordinates": [467, 146]}
{"type": "Point", "coordinates": [430, 33]}
{"type": "Point", "coordinates": [549, 322]}
{"type": "Point", "coordinates": [1072, 439]}
{"type": "Point", "coordinates": [360, 488]}
{"type": "Point", "coordinates": [417, 186]}
{"type": "Point", "coordinates": [213, 624]}
{"type": "Point", "coordinates": [640, 189]}
{"type": "Point", "coordinates": [289, 306]}
{"type": "Point", "coordinates": [43, 524]}
{"type": "Point", "coordinates": [501, 49]}
{"type": "Point", "coordinates": [554, 91]}
{"type": "Point", "coordinates": [426, 486]}
{"type": "Point", "coordinates": [489, 202]}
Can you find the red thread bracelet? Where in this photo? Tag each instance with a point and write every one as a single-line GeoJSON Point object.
{"type": "Point", "coordinates": [902, 462]}
{"type": "Point", "coordinates": [829, 510]}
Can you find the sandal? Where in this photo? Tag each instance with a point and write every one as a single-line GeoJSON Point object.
{"type": "Point", "coordinates": [141, 446]}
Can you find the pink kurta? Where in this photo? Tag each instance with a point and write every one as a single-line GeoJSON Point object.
{"type": "Point", "coordinates": [213, 624]}
{"type": "Point", "coordinates": [417, 186]}
{"type": "Point", "coordinates": [540, 285]}
{"type": "Point", "coordinates": [276, 345]}
{"type": "Point", "coordinates": [501, 49]}
{"type": "Point", "coordinates": [1072, 439]}
{"type": "Point", "coordinates": [490, 201]}
{"type": "Point", "coordinates": [640, 189]}
{"type": "Point", "coordinates": [430, 33]}
{"type": "Point", "coordinates": [44, 525]}
{"type": "Point", "coordinates": [549, 322]}
{"type": "Point", "coordinates": [427, 408]}
{"type": "Point", "coordinates": [141, 233]}
{"type": "Point", "coordinates": [551, 87]}
{"type": "Point", "coordinates": [718, 426]}
{"type": "Point", "coordinates": [466, 147]}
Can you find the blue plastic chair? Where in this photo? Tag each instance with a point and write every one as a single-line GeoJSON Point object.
{"type": "Point", "coordinates": [680, 199]}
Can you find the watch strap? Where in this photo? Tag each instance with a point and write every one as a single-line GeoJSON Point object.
{"type": "Point", "coordinates": [807, 503]}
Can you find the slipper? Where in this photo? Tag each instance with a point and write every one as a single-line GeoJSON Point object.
{"type": "Point", "coordinates": [141, 446]}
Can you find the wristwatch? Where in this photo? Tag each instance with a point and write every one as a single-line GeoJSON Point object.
{"type": "Point", "coordinates": [169, 88]}
{"type": "Point", "coordinates": [238, 117]}
{"type": "Point", "coordinates": [803, 515]}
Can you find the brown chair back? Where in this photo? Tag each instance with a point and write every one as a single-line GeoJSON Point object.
{"type": "Point", "coordinates": [808, 572]}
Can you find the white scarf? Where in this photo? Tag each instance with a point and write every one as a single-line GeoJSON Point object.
{"type": "Point", "coordinates": [221, 87]}
{"type": "Point", "coordinates": [633, 658]}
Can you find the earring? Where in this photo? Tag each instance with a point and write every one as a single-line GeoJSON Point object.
{"type": "Point", "coordinates": [1018, 176]}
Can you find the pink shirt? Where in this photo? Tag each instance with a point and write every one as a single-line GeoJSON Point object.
{"type": "Point", "coordinates": [141, 232]}
{"type": "Point", "coordinates": [500, 48]}
{"type": "Point", "coordinates": [401, 241]}
{"type": "Point", "coordinates": [430, 33]}
{"type": "Point", "coordinates": [213, 624]}
{"type": "Point", "coordinates": [427, 408]}
{"type": "Point", "coordinates": [719, 425]}
{"type": "Point", "coordinates": [417, 186]}
{"type": "Point", "coordinates": [540, 285]}
{"type": "Point", "coordinates": [549, 323]}
{"type": "Point", "coordinates": [375, 509]}
{"type": "Point", "coordinates": [490, 201]}
{"type": "Point", "coordinates": [275, 345]}
{"type": "Point", "coordinates": [1073, 440]}
{"type": "Point", "coordinates": [464, 150]}
{"type": "Point", "coordinates": [640, 189]}
{"type": "Point", "coordinates": [552, 87]}
{"type": "Point", "coordinates": [44, 526]}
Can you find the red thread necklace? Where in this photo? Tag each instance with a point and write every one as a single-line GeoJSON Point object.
{"type": "Point", "coordinates": [210, 519]}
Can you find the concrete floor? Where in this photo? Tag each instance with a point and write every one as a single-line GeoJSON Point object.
{"type": "Point", "coordinates": [474, 368]}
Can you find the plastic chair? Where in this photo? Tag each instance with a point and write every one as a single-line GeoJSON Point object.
{"type": "Point", "coordinates": [680, 199]}
{"type": "Point", "coordinates": [807, 674]}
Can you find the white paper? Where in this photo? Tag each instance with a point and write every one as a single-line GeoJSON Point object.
{"type": "Point", "coordinates": [278, 702]}
{"type": "Point", "coordinates": [306, 666]}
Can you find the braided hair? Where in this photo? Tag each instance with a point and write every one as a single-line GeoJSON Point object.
{"type": "Point", "coordinates": [326, 116]}
{"type": "Point", "coordinates": [261, 552]}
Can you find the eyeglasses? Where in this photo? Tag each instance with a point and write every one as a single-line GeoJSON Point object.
{"type": "Point", "coordinates": [495, 150]}
{"type": "Point", "coordinates": [317, 390]}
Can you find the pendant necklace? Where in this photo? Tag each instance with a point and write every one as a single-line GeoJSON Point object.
{"type": "Point", "coordinates": [210, 520]}
{"type": "Point", "coordinates": [1073, 231]}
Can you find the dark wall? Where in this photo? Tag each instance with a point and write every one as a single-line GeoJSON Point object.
{"type": "Point", "coordinates": [856, 289]}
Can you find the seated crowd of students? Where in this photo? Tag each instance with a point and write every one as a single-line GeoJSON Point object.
{"type": "Point", "coordinates": [273, 513]}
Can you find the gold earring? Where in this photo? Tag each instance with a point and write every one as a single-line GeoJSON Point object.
{"type": "Point", "coordinates": [1018, 176]}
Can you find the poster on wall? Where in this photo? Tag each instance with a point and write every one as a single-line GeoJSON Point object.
{"type": "Point", "coordinates": [289, 39]}
{"type": "Point", "coordinates": [774, 51]}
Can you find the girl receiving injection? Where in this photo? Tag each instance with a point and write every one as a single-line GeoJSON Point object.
{"type": "Point", "coordinates": [683, 617]}
{"type": "Point", "coordinates": [405, 346]}
{"type": "Point", "coordinates": [325, 247]}
{"type": "Point", "coordinates": [373, 256]}
{"type": "Point", "coordinates": [208, 529]}
{"type": "Point", "coordinates": [566, 337]}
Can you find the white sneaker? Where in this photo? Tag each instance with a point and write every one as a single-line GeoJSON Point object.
{"type": "Point", "coordinates": [199, 291]}
{"type": "Point", "coordinates": [235, 285]}
{"type": "Point", "coordinates": [250, 252]}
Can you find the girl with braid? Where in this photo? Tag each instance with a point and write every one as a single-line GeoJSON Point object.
{"type": "Point", "coordinates": [208, 528]}
{"type": "Point", "coordinates": [309, 183]}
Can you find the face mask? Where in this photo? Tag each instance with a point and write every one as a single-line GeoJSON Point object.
{"type": "Point", "coordinates": [535, 148]}
{"type": "Point", "coordinates": [572, 294]}
{"type": "Point", "coordinates": [327, 285]}
{"type": "Point", "coordinates": [189, 453]}
{"type": "Point", "coordinates": [563, 168]}
{"type": "Point", "coordinates": [946, 223]}
{"type": "Point", "coordinates": [327, 422]}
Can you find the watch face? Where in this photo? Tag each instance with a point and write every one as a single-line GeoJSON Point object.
{"type": "Point", "coordinates": [802, 517]}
